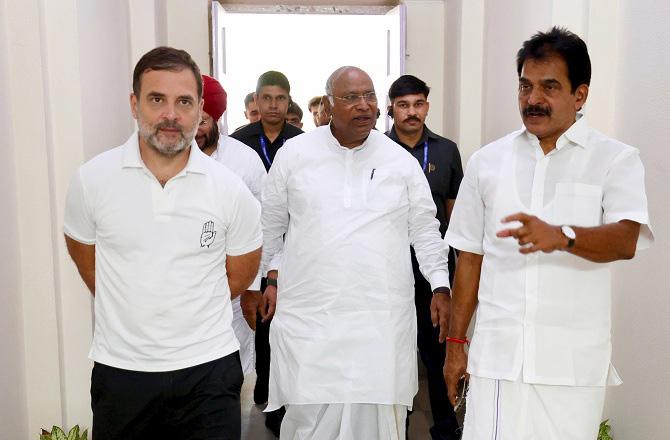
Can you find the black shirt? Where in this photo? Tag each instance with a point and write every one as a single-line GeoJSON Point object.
{"type": "Point", "coordinates": [251, 135]}
{"type": "Point", "coordinates": [444, 170]}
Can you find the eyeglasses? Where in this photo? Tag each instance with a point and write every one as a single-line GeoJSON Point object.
{"type": "Point", "coordinates": [370, 98]}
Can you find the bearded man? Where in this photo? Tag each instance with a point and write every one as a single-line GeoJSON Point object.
{"type": "Point", "coordinates": [163, 237]}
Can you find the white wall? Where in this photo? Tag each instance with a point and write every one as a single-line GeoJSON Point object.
{"type": "Point", "coordinates": [425, 54]}
{"type": "Point", "coordinates": [105, 89]}
{"type": "Point", "coordinates": [13, 410]}
{"type": "Point", "coordinates": [639, 408]}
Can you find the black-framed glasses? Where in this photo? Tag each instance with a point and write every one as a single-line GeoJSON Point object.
{"type": "Point", "coordinates": [370, 98]}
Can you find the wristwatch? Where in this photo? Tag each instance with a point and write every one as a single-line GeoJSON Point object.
{"type": "Point", "coordinates": [570, 234]}
{"type": "Point", "coordinates": [441, 289]}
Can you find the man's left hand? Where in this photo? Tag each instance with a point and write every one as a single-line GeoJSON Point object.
{"type": "Point", "coordinates": [440, 307]}
{"type": "Point", "coordinates": [534, 234]}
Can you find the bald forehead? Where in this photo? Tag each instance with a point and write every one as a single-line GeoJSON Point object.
{"type": "Point", "coordinates": [351, 79]}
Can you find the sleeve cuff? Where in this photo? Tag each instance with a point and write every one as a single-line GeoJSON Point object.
{"type": "Point", "coordinates": [256, 285]}
{"type": "Point", "coordinates": [462, 244]}
{"type": "Point", "coordinates": [275, 262]}
{"type": "Point", "coordinates": [646, 236]}
{"type": "Point", "coordinates": [439, 278]}
{"type": "Point", "coordinates": [77, 237]}
{"type": "Point", "coordinates": [250, 247]}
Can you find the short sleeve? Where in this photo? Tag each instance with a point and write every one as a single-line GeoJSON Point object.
{"type": "Point", "coordinates": [466, 226]}
{"type": "Point", "coordinates": [78, 223]}
{"type": "Point", "coordinates": [244, 230]}
{"type": "Point", "coordinates": [624, 196]}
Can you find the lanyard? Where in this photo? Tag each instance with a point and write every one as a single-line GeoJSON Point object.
{"type": "Point", "coordinates": [425, 155]}
{"type": "Point", "coordinates": [265, 149]}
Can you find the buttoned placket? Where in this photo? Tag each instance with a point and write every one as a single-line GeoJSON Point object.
{"type": "Point", "coordinates": [348, 171]}
{"type": "Point", "coordinates": [161, 196]}
{"type": "Point", "coordinates": [532, 261]}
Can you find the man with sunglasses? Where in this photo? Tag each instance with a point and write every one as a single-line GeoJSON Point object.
{"type": "Point", "coordinates": [349, 202]}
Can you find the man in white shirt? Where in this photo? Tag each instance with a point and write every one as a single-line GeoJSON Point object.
{"type": "Point", "coordinates": [163, 236]}
{"type": "Point", "coordinates": [244, 162]}
{"type": "Point", "coordinates": [349, 202]}
{"type": "Point", "coordinates": [538, 215]}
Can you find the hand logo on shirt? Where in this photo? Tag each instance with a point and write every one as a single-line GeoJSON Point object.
{"type": "Point", "coordinates": [208, 234]}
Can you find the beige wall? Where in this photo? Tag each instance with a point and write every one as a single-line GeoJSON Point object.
{"type": "Point", "coordinates": [639, 408]}
{"type": "Point", "coordinates": [425, 54]}
{"type": "Point", "coordinates": [65, 74]}
{"type": "Point", "coordinates": [13, 408]}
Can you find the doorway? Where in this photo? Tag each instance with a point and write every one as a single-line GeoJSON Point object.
{"type": "Point", "coordinates": [307, 44]}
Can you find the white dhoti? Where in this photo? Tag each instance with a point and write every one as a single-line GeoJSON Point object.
{"type": "Point", "coordinates": [344, 421]}
{"type": "Point", "coordinates": [504, 410]}
{"type": "Point", "coordinates": [245, 336]}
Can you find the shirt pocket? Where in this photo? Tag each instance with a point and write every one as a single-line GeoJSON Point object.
{"type": "Point", "coordinates": [382, 189]}
{"type": "Point", "coordinates": [578, 204]}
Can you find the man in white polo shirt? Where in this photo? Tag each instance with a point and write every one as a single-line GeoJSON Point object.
{"type": "Point", "coordinates": [538, 215]}
{"type": "Point", "coordinates": [163, 237]}
{"type": "Point", "coordinates": [244, 162]}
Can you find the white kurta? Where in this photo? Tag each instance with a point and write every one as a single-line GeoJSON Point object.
{"type": "Point", "coordinates": [243, 161]}
{"type": "Point", "coordinates": [545, 318]}
{"type": "Point", "coordinates": [345, 326]}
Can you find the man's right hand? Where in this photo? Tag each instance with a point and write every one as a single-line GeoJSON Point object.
{"type": "Point", "coordinates": [269, 303]}
{"type": "Point", "coordinates": [454, 369]}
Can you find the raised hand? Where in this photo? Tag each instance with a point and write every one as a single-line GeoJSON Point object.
{"type": "Point", "coordinates": [534, 234]}
{"type": "Point", "coordinates": [208, 234]}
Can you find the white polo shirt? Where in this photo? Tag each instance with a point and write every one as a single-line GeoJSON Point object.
{"type": "Point", "coordinates": [545, 318]}
{"type": "Point", "coordinates": [162, 298]}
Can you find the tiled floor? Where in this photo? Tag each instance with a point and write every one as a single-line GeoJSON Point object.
{"type": "Point", "coordinates": [253, 420]}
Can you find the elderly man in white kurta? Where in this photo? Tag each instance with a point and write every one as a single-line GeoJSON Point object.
{"type": "Point", "coordinates": [350, 202]}
{"type": "Point", "coordinates": [538, 215]}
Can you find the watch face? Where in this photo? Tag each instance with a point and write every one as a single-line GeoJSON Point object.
{"type": "Point", "coordinates": [568, 232]}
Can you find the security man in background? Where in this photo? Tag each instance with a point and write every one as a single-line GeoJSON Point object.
{"type": "Point", "coordinates": [266, 137]}
{"type": "Point", "coordinates": [441, 163]}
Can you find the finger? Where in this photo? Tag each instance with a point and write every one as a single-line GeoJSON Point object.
{"type": "Point", "coordinates": [452, 387]}
{"type": "Point", "coordinates": [444, 327]}
{"type": "Point", "coordinates": [519, 217]}
{"type": "Point", "coordinates": [507, 233]}
{"type": "Point", "coordinates": [263, 308]}
{"type": "Point", "coordinates": [524, 240]}
{"type": "Point", "coordinates": [434, 316]}
{"type": "Point", "coordinates": [530, 249]}
{"type": "Point", "coordinates": [271, 311]}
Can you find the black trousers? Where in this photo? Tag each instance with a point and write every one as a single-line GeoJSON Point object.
{"type": "Point", "coordinates": [196, 403]}
{"type": "Point", "coordinates": [432, 354]}
{"type": "Point", "coordinates": [262, 347]}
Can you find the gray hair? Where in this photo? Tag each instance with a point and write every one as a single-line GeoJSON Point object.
{"type": "Point", "coordinates": [332, 78]}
